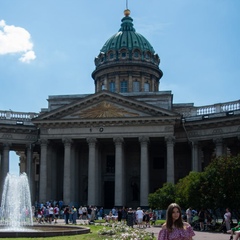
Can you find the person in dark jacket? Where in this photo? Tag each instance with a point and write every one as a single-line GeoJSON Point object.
{"type": "Point", "coordinates": [130, 217]}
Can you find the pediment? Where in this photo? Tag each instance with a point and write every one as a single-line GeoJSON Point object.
{"type": "Point", "coordinates": [105, 105]}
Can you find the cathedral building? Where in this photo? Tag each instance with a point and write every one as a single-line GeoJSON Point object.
{"type": "Point", "coordinates": [117, 145]}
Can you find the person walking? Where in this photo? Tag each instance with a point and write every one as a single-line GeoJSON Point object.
{"type": "Point", "coordinates": [139, 216]}
{"type": "Point", "coordinates": [175, 228]}
{"type": "Point", "coordinates": [201, 218]}
{"type": "Point", "coordinates": [227, 219]}
{"type": "Point", "coordinates": [189, 215]}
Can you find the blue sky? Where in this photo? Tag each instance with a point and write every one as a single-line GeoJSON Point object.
{"type": "Point", "coordinates": [48, 47]}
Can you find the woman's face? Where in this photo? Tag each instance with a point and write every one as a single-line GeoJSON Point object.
{"type": "Point", "coordinates": [175, 214]}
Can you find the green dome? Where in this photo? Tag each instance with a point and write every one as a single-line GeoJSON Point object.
{"type": "Point", "coordinates": [127, 45]}
{"type": "Point", "coordinates": [127, 37]}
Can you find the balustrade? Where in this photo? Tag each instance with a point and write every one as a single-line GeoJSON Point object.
{"type": "Point", "coordinates": [17, 116]}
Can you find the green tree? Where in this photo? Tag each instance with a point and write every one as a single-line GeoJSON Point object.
{"type": "Point", "coordinates": [216, 187]}
{"type": "Point", "coordinates": [219, 186]}
{"type": "Point", "coordinates": [162, 197]}
{"type": "Point", "coordinates": [187, 191]}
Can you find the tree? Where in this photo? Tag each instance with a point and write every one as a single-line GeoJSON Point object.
{"type": "Point", "coordinates": [162, 197]}
{"type": "Point", "coordinates": [187, 191]}
{"type": "Point", "coordinates": [220, 184]}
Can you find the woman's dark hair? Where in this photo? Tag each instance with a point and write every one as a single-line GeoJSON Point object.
{"type": "Point", "coordinates": [169, 221]}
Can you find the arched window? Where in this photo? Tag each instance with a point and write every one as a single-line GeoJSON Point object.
{"type": "Point", "coordinates": [136, 54]}
{"type": "Point", "coordinates": [123, 54]}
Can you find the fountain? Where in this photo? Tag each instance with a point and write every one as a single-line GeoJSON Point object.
{"type": "Point", "coordinates": [16, 209]}
{"type": "Point", "coordinates": [16, 216]}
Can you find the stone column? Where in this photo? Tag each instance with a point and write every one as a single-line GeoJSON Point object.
{"type": "Point", "coordinates": [43, 171]}
{"type": "Point", "coordinates": [67, 171]}
{"type": "Point", "coordinates": [144, 171]}
{"type": "Point", "coordinates": [219, 146]}
{"type": "Point", "coordinates": [170, 158]}
{"type": "Point", "coordinates": [106, 86]}
{"type": "Point", "coordinates": [153, 84]}
{"type": "Point", "coordinates": [119, 173]}
{"type": "Point", "coordinates": [195, 165]}
{"type": "Point", "coordinates": [4, 164]}
{"type": "Point", "coordinates": [117, 84]}
{"type": "Point", "coordinates": [142, 84]}
{"type": "Point", "coordinates": [92, 176]}
{"type": "Point", "coordinates": [130, 83]}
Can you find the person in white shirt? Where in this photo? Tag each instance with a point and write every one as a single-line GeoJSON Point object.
{"type": "Point", "coordinates": [227, 219]}
{"type": "Point", "coordinates": [139, 216]}
{"type": "Point", "coordinates": [50, 214]}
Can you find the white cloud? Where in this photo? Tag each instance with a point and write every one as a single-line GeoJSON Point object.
{"type": "Point", "coordinates": [27, 57]}
{"type": "Point", "coordinates": [16, 40]}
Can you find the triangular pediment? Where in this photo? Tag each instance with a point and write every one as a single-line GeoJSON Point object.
{"type": "Point", "coordinates": [105, 105]}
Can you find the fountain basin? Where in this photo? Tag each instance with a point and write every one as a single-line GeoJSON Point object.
{"type": "Point", "coordinates": [43, 231]}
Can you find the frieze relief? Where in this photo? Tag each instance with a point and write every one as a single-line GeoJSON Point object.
{"type": "Point", "coordinates": [31, 137]}
{"type": "Point", "coordinates": [7, 136]}
{"type": "Point", "coordinates": [217, 131]}
{"type": "Point", "coordinates": [193, 134]}
{"type": "Point", "coordinates": [105, 110]}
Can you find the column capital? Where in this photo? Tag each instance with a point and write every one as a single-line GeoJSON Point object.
{"type": "Point", "coordinates": [170, 139]}
{"type": "Point", "coordinates": [194, 143]}
{"type": "Point", "coordinates": [7, 145]}
{"type": "Point", "coordinates": [143, 139]}
{"type": "Point", "coordinates": [43, 141]}
{"type": "Point", "coordinates": [218, 140]}
{"type": "Point", "coordinates": [118, 140]}
{"type": "Point", "coordinates": [67, 141]}
{"type": "Point", "coordinates": [91, 140]}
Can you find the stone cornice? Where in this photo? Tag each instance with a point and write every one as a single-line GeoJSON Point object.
{"type": "Point", "coordinates": [108, 122]}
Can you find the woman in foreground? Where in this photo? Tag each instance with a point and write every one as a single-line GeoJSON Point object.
{"type": "Point", "coordinates": [175, 228]}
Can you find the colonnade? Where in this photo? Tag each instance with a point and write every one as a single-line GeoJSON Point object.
{"type": "Point", "coordinates": [94, 172]}
{"type": "Point", "coordinates": [93, 166]}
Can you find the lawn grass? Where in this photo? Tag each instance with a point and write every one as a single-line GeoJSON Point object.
{"type": "Point", "coordinates": [89, 236]}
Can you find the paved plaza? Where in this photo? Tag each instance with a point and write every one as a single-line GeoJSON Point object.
{"type": "Point", "coordinates": [199, 235]}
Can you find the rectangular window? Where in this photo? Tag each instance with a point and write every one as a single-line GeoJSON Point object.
{"type": "Point", "coordinates": [124, 86]}
{"type": "Point", "coordinates": [136, 86]}
{"type": "Point", "coordinates": [112, 86]}
{"type": "Point", "coordinates": [146, 87]}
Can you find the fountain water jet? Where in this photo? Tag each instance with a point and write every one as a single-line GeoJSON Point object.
{"type": "Point", "coordinates": [16, 209]}
{"type": "Point", "coordinates": [16, 218]}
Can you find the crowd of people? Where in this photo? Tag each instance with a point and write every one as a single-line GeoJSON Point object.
{"type": "Point", "coordinates": [178, 226]}
{"type": "Point", "coordinates": [140, 217]}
